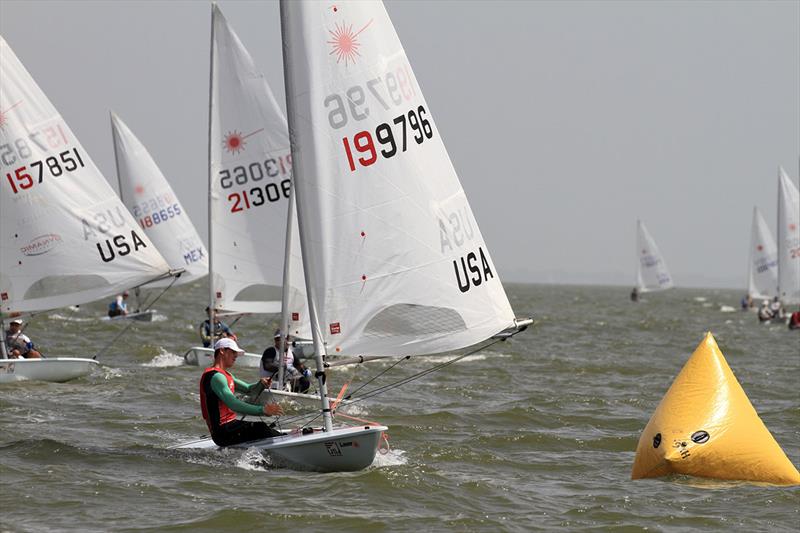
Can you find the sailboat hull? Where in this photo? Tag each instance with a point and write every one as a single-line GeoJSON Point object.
{"type": "Point", "coordinates": [56, 370]}
{"type": "Point", "coordinates": [345, 449]}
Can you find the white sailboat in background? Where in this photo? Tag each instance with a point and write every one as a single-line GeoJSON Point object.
{"type": "Point", "coordinates": [788, 240]}
{"type": "Point", "coordinates": [66, 238]}
{"type": "Point", "coordinates": [394, 262]}
{"type": "Point", "coordinates": [651, 273]}
{"type": "Point", "coordinates": [250, 184]}
{"type": "Point", "coordinates": [148, 196]}
{"type": "Point", "coordinates": [762, 275]}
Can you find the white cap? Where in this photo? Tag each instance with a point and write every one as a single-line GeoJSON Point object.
{"type": "Point", "coordinates": [16, 321]}
{"type": "Point", "coordinates": [227, 343]}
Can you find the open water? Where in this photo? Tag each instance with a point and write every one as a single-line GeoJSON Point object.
{"type": "Point", "coordinates": [536, 433]}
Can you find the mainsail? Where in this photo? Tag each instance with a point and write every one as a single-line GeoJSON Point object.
{"type": "Point", "coordinates": [762, 275]}
{"type": "Point", "coordinates": [66, 238]}
{"type": "Point", "coordinates": [788, 240]}
{"type": "Point", "coordinates": [250, 180]}
{"type": "Point", "coordinates": [148, 196]}
{"type": "Point", "coordinates": [652, 273]}
{"type": "Point", "coordinates": [395, 262]}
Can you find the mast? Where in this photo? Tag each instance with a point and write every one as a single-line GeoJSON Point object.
{"type": "Point", "coordinates": [211, 321]}
{"type": "Point", "coordinates": [316, 332]}
{"type": "Point", "coordinates": [3, 351]}
{"type": "Point", "coordinates": [287, 261]}
{"type": "Point", "coordinates": [116, 155]}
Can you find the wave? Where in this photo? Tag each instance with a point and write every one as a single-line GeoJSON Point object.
{"type": "Point", "coordinates": [165, 359]}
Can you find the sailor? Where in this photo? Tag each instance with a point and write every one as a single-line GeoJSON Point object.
{"type": "Point", "coordinates": [119, 306]}
{"type": "Point", "coordinates": [635, 295]}
{"type": "Point", "coordinates": [219, 405]}
{"type": "Point", "coordinates": [794, 320]}
{"type": "Point", "coordinates": [221, 329]}
{"type": "Point", "coordinates": [747, 302]}
{"type": "Point", "coordinates": [295, 371]}
{"type": "Point", "coordinates": [764, 312]}
{"type": "Point", "coordinates": [776, 308]}
{"type": "Point", "coordinates": [19, 345]}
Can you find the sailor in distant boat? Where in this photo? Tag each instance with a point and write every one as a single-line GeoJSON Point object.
{"type": "Point", "coordinates": [747, 302]}
{"type": "Point", "coordinates": [764, 312]}
{"type": "Point", "coordinates": [776, 308]}
{"type": "Point", "coordinates": [635, 295]}
{"type": "Point", "coordinates": [219, 405]}
{"type": "Point", "coordinates": [119, 306]}
{"type": "Point", "coordinates": [221, 329]}
{"type": "Point", "coordinates": [794, 320]}
{"type": "Point", "coordinates": [295, 371]}
{"type": "Point", "coordinates": [19, 345]}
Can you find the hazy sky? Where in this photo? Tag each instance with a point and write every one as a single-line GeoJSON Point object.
{"type": "Point", "coordinates": [565, 120]}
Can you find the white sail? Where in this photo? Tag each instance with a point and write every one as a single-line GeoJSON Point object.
{"type": "Point", "coordinates": [652, 273]}
{"type": "Point", "coordinates": [395, 261]}
{"type": "Point", "coordinates": [762, 276]}
{"type": "Point", "coordinates": [65, 237]}
{"type": "Point", "coordinates": [148, 196]}
{"type": "Point", "coordinates": [250, 180]}
{"type": "Point", "coordinates": [788, 240]}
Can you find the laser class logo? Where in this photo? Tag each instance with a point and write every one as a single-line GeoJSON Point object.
{"type": "Point", "coordinates": [344, 41]}
{"type": "Point", "coordinates": [234, 141]}
{"type": "Point", "coordinates": [4, 114]}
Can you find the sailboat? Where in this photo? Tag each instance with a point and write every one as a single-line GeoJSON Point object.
{"type": "Point", "coordinates": [394, 262]}
{"type": "Point", "coordinates": [65, 237]}
{"type": "Point", "coordinates": [788, 240]}
{"type": "Point", "coordinates": [762, 274]}
{"type": "Point", "coordinates": [651, 273]}
{"type": "Point", "coordinates": [148, 196]}
{"type": "Point", "coordinates": [250, 222]}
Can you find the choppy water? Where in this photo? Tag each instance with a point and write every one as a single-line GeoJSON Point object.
{"type": "Point", "coordinates": [537, 433]}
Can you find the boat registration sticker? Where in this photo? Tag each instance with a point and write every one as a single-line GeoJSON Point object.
{"type": "Point", "coordinates": [335, 328]}
{"type": "Point", "coordinates": [333, 449]}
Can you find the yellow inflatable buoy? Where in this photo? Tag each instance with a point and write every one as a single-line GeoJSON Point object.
{"type": "Point", "coordinates": [705, 426]}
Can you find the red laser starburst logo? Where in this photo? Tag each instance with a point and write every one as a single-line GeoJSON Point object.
{"type": "Point", "coordinates": [234, 141]}
{"type": "Point", "coordinates": [139, 189]}
{"type": "Point", "coordinates": [4, 115]}
{"type": "Point", "coordinates": [792, 227]}
{"type": "Point", "coordinates": [345, 42]}
{"type": "Point", "coordinates": [760, 248]}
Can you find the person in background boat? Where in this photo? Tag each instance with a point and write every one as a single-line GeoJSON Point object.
{"type": "Point", "coordinates": [764, 312]}
{"type": "Point", "coordinates": [295, 371]}
{"type": "Point", "coordinates": [220, 328]}
{"type": "Point", "coordinates": [747, 302]}
{"type": "Point", "coordinates": [794, 320]}
{"type": "Point", "coordinates": [219, 405]}
{"type": "Point", "coordinates": [777, 309]}
{"type": "Point", "coordinates": [119, 306]}
{"type": "Point", "coordinates": [635, 295]}
{"type": "Point", "coordinates": [19, 345]}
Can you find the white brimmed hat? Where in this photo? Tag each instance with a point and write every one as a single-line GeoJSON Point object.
{"type": "Point", "coordinates": [16, 321]}
{"type": "Point", "coordinates": [227, 343]}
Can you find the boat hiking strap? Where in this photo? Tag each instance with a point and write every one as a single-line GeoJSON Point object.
{"type": "Point", "coordinates": [128, 326]}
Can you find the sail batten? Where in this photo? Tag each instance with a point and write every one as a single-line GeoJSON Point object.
{"type": "Point", "coordinates": [65, 237]}
{"type": "Point", "coordinates": [399, 265]}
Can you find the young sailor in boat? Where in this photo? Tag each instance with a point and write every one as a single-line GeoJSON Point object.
{"type": "Point", "coordinates": [219, 405]}
{"type": "Point", "coordinates": [221, 329]}
{"type": "Point", "coordinates": [776, 308]}
{"type": "Point", "coordinates": [19, 345]}
{"type": "Point", "coordinates": [295, 371]}
{"type": "Point", "coordinates": [119, 306]}
{"type": "Point", "coordinates": [794, 320]}
{"type": "Point", "coordinates": [764, 312]}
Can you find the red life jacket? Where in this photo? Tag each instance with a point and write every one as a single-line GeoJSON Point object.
{"type": "Point", "coordinates": [215, 412]}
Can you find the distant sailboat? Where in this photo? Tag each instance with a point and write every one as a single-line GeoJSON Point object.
{"type": "Point", "coordinates": [651, 273]}
{"type": "Point", "coordinates": [788, 240]}
{"type": "Point", "coordinates": [65, 237]}
{"type": "Point", "coordinates": [149, 197]}
{"type": "Point", "coordinates": [762, 275]}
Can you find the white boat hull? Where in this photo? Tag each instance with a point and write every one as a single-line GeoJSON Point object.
{"type": "Point", "coordinates": [58, 369]}
{"type": "Point", "coordinates": [344, 449]}
{"type": "Point", "coordinates": [144, 316]}
{"type": "Point", "coordinates": [204, 357]}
